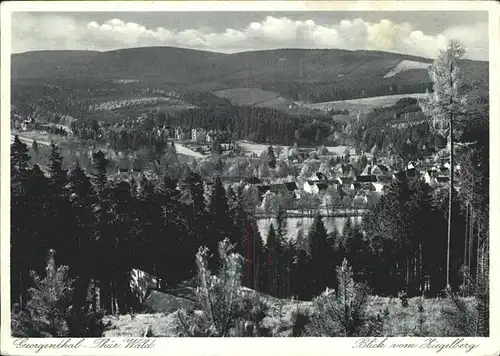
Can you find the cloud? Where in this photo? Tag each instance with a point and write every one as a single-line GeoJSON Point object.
{"type": "Point", "coordinates": [64, 32]}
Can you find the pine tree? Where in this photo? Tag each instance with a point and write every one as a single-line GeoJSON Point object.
{"type": "Point", "coordinates": [20, 212]}
{"type": "Point", "coordinates": [49, 307]}
{"type": "Point", "coordinates": [445, 105]}
{"type": "Point", "coordinates": [34, 147]}
{"type": "Point", "coordinates": [219, 296]}
{"type": "Point", "coordinates": [347, 231]}
{"type": "Point", "coordinates": [128, 246]}
{"type": "Point", "coordinates": [99, 176]}
{"type": "Point", "coordinates": [58, 175]}
{"type": "Point", "coordinates": [49, 311]}
{"type": "Point", "coordinates": [38, 193]}
{"type": "Point", "coordinates": [271, 158]}
{"type": "Point", "coordinates": [171, 157]}
{"type": "Point", "coordinates": [321, 256]}
{"type": "Point", "coordinates": [104, 228]}
{"type": "Point", "coordinates": [239, 219]}
{"type": "Point", "coordinates": [219, 211]}
{"type": "Point", "coordinates": [196, 192]}
{"type": "Point", "coordinates": [221, 222]}
{"type": "Point", "coordinates": [344, 313]}
{"type": "Point", "coordinates": [261, 283]}
{"type": "Point", "coordinates": [149, 225]}
{"type": "Point", "coordinates": [195, 217]}
{"type": "Point", "coordinates": [282, 254]}
{"type": "Point", "coordinates": [83, 200]}
{"type": "Point", "coordinates": [272, 249]}
{"type": "Point", "coordinates": [19, 160]}
{"type": "Point", "coordinates": [60, 218]}
{"type": "Point", "coordinates": [301, 274]}
{"type": "Point", "coordinates": [358, 255]}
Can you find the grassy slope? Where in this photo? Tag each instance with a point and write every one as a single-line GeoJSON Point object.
{"type": "Point", "coordinates": [401, 321]}
{"type": "Point", "coordinates": [365, 104]}
{"type": "Point", "coordinates": [247, 96]}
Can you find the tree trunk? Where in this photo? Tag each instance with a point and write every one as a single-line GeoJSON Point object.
{"type": "Point", "coordinates": [471, 240]}
{"type": "Point", "coordinates": [466, 236]}
{"type": "Point", "coordinates": [450, 203]}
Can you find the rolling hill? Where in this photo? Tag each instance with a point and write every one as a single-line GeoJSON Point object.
{"type": "Point", "coordinates": [294, 74]}
{"type": "Point", "coordinates": [363, 105]}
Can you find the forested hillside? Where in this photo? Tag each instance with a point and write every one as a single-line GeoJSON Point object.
{"type": "Point", "coordinates": [305, 75]}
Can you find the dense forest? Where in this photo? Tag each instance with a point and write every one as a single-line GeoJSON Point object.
{"type": "Point", "coordinates": [102, 229]}
{"type": "Point", "coordinates": [256, 124]}
{"type": "Point", "coordinates": [404, 129]}
{"type": "Point", "coordinates": [319, 92]}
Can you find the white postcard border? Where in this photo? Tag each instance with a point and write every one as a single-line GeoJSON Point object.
{"type": "Point", "coordinates": [250, 346]}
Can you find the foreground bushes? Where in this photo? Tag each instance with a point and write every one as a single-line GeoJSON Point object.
{"type": "Point", "coordinates": [226, 309]}
{"type": "Point", "coordinates": [49, 311]}
{"type": "Point", "coordinates": [344, 312]}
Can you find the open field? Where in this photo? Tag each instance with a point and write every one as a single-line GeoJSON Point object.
{"type": "Point", "coordinates": [42, 138]}
{"type": "Point", "coordinates": [248, 147]}
{"type": "Point", "coordinates": [365, 104]}
{"type": "Point", "coordinates": [400, 321]}
{"type": "Point", "coordinates": [247, 96]}
{"type": "Point", "coordinates": [406, 65]}
{"type": "Point", "coordinates": [183, 150]}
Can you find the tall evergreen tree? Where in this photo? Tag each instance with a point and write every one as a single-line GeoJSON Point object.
{"type": "Point", "coordinates": [84, 234]}
{"type": "Point", "coordinates": [283, 254]}
{"type": "Point", "coordinates": [239, 217]}
{"type": "Point", "coordinates": [60, 218]}
{"type": "Point", "coordinates": [271, 158]}
{"type": "Point", "coordinates": [301, 274]}
{"type": "Point", "coordinates": [34, 147]}
{"type": "Point", "coordinates": [321, 256]}
{"type": "Point", "coordinates": [195, 217]}
{"type": "Point", "coordinates": [106, 241]}
{"type": "Point", "coordinates": [20, 231]}
{"type": "Point", "coordinates": [19, 161]}
{"type": "Point", "coordinates": [445, 105]}
{"type": "Point", "coordinates": [221, 225]}
{"type": "Point", "coordinates": [272, 248]}
{"type": "Point", "coordinates": [219, 212]}
{"type": "Point", "coordinates": [99, 175]}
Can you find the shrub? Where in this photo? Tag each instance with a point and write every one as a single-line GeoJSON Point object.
{"type": "Point", "coordinates": [49, 311]}
{"type": "Point", "coordinates": [467, 286]}
{"type": "Point", "coordinates": [300, 319]}
{"type": "Point", "coordinates": [470, 316]}
{"type": "Point", "coordinates": [255, 309]}
{"type": "Point", "coordinates": [344, 313]}
{"type": "Point", "coordinates": [219, 297]}
{"type": "Point", "coordinates": [421, 328]}
{"type": "Point", "coordinates": [462, 316]}
{"type": "Point", "coordinates": [49, 307]}
{"type": "Point", "coordinates": [403, 297]}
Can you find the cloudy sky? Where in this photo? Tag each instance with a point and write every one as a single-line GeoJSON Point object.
{"type": "Point", "coordinates": [418, 33]}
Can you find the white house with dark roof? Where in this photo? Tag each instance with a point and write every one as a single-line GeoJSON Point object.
{"type": "Point", "coordinates": [314, 187]}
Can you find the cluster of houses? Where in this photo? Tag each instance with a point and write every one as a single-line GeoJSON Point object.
{"type": "Point", "coordinates": [373, 179]}
{"type": "Point", "coordinates": [195, 135]}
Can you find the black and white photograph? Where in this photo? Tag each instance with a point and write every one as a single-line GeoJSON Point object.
{"type": "Point", "coordinates": [265, 173]}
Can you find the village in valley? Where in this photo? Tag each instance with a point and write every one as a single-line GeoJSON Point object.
{"type": "Point", "coordinates": [164, 191]}
{"type": "Point", "coordinates": [335, 181]}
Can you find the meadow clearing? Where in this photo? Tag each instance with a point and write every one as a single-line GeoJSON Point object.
{"type": "Point", "coordinates": [398, 320]}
